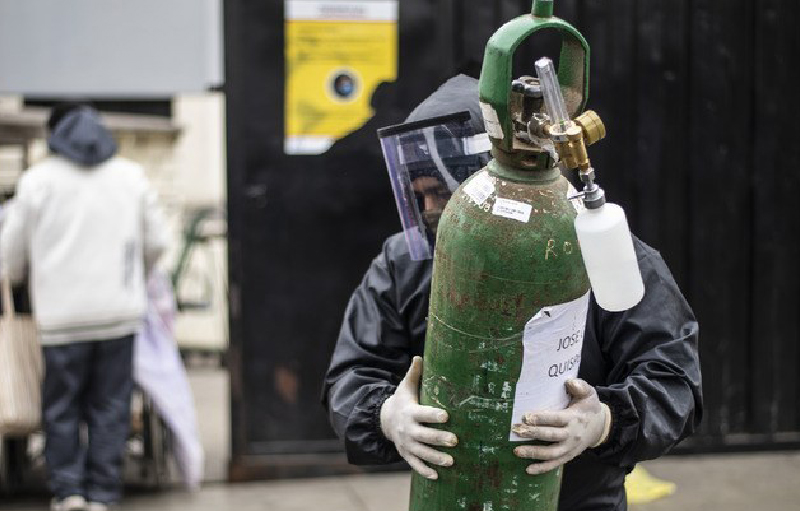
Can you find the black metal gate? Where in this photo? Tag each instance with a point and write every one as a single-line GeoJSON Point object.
{"type": "Point", "coordinates": [698, 98]}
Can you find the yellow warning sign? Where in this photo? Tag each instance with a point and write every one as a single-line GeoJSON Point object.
{"type": "Point", "coordinates": [337, 53]}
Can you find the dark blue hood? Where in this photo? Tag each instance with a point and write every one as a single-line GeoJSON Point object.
{"type": "Point", "coordinates": [81, 138]}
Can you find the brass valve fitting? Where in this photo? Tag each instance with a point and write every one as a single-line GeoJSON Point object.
{"type": "Point", "coordinates": [593, 128]}
{"type": "Point", "coordinates": [570, 146]}
{"type": "Point", "coordinates": [571, 141]}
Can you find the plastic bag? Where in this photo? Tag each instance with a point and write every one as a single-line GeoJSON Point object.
{"type": "Point", "coordinates": [159, 371]}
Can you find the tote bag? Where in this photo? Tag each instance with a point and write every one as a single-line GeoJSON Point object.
{"type": "Point", "coordinates": [20, 369]}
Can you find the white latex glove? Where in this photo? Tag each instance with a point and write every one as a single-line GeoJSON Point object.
{"type": "Point", "coordinates": [585, 423]}
{"type": "Point", "coordinates": [401, 416]}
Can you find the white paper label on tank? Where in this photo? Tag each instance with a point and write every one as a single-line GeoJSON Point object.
{"type": "Point", "coordinates": [576, 203]}
{"type": "Point", "coordinates": [477, 144]}
{"type": "Point", "coordinates": [512, 209]}
{"type": "Point", "coordinates": [491, 121]}
{"type": "Point", "coordinates": [480, 188]}
{"type": "Point", "coordinates": [552, 343]}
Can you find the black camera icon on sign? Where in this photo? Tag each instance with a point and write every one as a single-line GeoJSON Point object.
{"type": "Point", "coordinates": [344, 85]}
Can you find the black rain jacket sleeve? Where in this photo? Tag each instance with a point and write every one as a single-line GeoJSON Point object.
{"type": "Point", "coordinates": [652, 380]}
{"type": "Point", "coordinates": [383, 328]}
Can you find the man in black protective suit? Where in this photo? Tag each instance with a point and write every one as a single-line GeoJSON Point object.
{"type": "Point", "coordinates": [640, 368]}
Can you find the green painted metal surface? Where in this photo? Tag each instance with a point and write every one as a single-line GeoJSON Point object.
{"type": "Point", "coordinates": [495, 81]}
{"type": "Point", "coordinates": [491, 275]}
{"type": "Point", "coordinates": [542, 8]}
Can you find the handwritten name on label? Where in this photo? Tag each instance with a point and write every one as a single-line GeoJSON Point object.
{"type": "Point", "coordinates": [552, 344]}
{"type": "Point", "coordinates": [491, 121]}
{"type": "Point", "coordinates": [480, 188]}
{"type": "Point", "coordinates": [512, 209]}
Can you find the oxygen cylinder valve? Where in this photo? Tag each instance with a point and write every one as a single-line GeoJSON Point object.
{"type": "Point", "coordinates": [593, 196]}
{"type": "Point", "coordinates": [602, 229]}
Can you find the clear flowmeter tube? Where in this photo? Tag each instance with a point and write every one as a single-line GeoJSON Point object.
{"type": "Point", "coordinates": [553, 99]}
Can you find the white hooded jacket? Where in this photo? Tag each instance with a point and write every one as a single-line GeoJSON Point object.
{"type": "Point", "coordinates": [87, 236]}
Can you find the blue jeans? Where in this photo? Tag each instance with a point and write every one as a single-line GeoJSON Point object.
{"type": "Point", "coordinates": [87, 382]}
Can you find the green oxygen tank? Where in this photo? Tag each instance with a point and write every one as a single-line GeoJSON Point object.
{"type": "Point", "coordinates": [506, 250]}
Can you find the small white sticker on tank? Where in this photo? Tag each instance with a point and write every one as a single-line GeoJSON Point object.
{"type": "Point", "coordinates": [552, 343]}
{"type": "Point", "coordinates": [512, 209]}
{"type": "Point", "coordinates": [480, 188]}
{"type": "Point", "coordinates": [577, 203]}
{"type": "Point", "coordinates": [491, 121]}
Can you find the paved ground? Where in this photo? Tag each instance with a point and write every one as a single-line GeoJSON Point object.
{"type": "Point", "coordinates": [763, 482]}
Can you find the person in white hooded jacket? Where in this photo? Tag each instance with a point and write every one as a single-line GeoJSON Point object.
{"type": "Point", "coordinates": [86, 228]}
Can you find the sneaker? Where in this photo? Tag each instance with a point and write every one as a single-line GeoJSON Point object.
{"type": "Point", "coordinates": [96, 506]}
{"type": "Point", "coordinates": [71, 503]}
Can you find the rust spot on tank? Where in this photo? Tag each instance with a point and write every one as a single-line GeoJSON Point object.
{"type": "Point", "coordinates": [520, 298]}
{"type": "Point", "coordinates": [550, 195]}
{"type": "Point", "coordinates": [493, 474]}
{"type": "Point", "coordinates": [508, 309]}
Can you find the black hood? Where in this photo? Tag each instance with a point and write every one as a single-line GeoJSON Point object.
{"type": "Point", "coordinates": [457, 94]}
{"type": "Point", "coordinates": [81, 138]}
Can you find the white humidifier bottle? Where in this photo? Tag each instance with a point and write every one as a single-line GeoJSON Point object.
{"type": "Point", "coordinates": [607, 249]}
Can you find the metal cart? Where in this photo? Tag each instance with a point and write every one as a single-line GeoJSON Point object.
{"type": "Point", "coordinates": [147, 462]}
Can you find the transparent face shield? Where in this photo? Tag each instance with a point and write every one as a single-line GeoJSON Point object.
{"type": "Point", "coordinates": [427, 161]}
